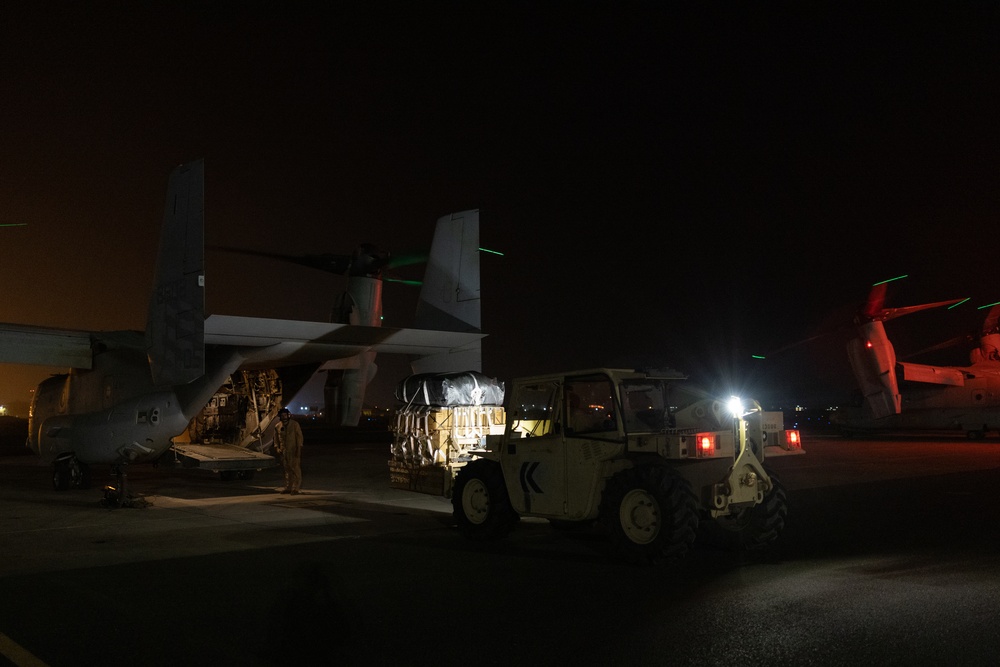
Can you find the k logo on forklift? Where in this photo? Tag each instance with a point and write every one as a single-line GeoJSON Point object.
{"type": "Point", "coordinates": [528, 482]}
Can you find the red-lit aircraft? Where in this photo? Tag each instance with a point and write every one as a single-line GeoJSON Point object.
{"type": "Point", "coordinates": [128, 393]}
{"type": "Point", "coordinates": [906, 396]}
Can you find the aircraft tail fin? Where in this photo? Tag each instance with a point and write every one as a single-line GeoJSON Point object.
{"type": "Point", "coordinates": [450, 296]}
{"type": "Point", "coordinates": [175, 327]}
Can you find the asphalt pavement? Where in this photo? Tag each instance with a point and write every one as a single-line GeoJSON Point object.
{"type": "Point", "coordinates": [889, 557]}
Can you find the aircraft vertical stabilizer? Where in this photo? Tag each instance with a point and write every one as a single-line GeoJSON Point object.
{"type": "Point", "coordinates": [175, 328]}
{"type": "Point", "coordinates": [450, 296]}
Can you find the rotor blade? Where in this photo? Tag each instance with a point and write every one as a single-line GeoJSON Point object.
{"type": "Point", "coordinates": [804, 341]}
{"type": "Point", "coordinates": [892, 313]}
{"type": "Point", "coordinates": [990, 325]}
{"type": "Point", "coordinates": [944, 345]}
{"type": "Point", "coordinates": [330, 263]}
{"type": "Point", "coordinates": [876, 299]}
{"type": "Point", "coordinates": [871, 311]}
{"type": "Point", "coordinates": [408, 259]}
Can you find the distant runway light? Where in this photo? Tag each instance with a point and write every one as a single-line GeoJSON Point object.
{"type": "Point", "coordinates": [989, 305]}
{"type": "Point", "coordinates": [492, 252]}
{"type": "Point", "coordinates": [955, 305]}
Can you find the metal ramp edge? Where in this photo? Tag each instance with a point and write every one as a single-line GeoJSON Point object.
{"type": "Point", "coordinates": [220, 457]}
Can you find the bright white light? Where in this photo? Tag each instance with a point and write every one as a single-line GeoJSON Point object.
{"type": "Point", "coordinates": [735, 406]}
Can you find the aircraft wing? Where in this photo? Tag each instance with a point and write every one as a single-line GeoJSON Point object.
{"type": "Point", "coordinates": [932, 374]}
{"type": "Point", "coordinates": [269, 343]}
{"type": "Point", "coordinates": [41, 346]}
{"type": "Point", "coordinates": [265, 343]}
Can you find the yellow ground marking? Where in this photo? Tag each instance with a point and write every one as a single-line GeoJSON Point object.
{"type": "Point", "coordinates": [17, 654]}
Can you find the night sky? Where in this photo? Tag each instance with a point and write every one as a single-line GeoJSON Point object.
{"type": "Point", "coordinates": [670, 187]}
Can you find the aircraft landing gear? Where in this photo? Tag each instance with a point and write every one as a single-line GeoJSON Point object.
{"type": "Point", "coordinates": [117, 495]}
{"type": "Point", "coordinates": [68, 471]}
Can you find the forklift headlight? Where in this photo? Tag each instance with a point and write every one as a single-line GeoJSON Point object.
{"type": "Point", "coordinates": [735, 406]}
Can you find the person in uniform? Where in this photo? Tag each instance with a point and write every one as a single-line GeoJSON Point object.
{"type": "Point", "coordinates": [288, 434]}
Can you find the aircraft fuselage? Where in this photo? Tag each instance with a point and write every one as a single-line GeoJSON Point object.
{"type": "Point", "coordinates": [973, 406]}
{"type": "Point", "coordinates": [107, 414]}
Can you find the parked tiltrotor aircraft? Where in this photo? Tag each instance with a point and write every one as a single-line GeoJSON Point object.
{"type": "Point", "coordinates": [221, 379]}
{"type": "Point", "coordinates": [900, 395]}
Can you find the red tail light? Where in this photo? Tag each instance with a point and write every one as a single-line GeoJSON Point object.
{"type": "Point", "coordinates": [704, 444]}
{"type": "Point", "coordinates": [792, 439]}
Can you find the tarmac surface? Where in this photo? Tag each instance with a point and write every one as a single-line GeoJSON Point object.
{"type": "Point", "coordinates": [890, 556]}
